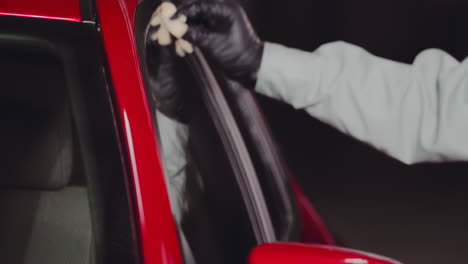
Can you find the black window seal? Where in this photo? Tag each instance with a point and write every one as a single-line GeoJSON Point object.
{"type": "Point", "coordinates": [235, 146]}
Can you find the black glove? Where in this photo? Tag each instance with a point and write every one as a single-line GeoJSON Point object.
{"type": "Point", "coordinates": [170, 81]}
{"type": "Point", "coordinates": [223, 32]}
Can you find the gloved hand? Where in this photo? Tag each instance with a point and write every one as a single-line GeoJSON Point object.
{"type": "Point", "coordinates": [223, 32]}
{"type": "Point", "coordinates": [170, 81]}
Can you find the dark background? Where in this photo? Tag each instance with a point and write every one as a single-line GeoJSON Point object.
{"type": "Point", "coordinates": [417, 214]}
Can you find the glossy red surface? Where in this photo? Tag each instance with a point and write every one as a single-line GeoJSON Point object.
{"type": "Point", "coordinates": [295, 253]}
{"type": "Point", "coordinates": [157, 228]}
{"type": "Point", "coordinates": [313, 229]}
{"type": "Point", "coordinates": [50, 9]}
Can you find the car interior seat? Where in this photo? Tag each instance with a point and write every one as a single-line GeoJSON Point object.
{"type": "Point", "coordinates": [45, 213]}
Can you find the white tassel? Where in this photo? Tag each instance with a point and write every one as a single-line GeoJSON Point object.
{"type": "Point", "coordinates": [170, 27]}
{"type": "Point", "coordinates": [183, 47]}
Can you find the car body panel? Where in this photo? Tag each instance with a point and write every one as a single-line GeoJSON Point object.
{"type": "Point", "coordinates": [297, 253]}
{"type": "Point", "coordinates": [313, 228]}
{"type": "Point", "coordinates": [157, 227]}
{"type": "Point", "coordinates": [68, 10]}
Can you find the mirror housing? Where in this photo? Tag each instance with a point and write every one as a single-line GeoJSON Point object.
{"type": "Point", "coordinates": [297, 253]}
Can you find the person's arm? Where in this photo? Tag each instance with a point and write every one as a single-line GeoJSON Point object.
{"type": "Point", "coordinates": [415, 113]}
{"type": "Point", "coordinates": [173, 137]}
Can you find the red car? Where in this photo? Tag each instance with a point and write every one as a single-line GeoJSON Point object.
{"type": "Point", "coordinates": [82, 179]}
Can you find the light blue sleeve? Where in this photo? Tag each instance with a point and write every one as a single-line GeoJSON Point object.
{"type": "Point", "coordinates": [174, 139]}
{"type": "Point", "coordinates": [414, 113]}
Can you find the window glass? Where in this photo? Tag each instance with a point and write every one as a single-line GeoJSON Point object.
{"type": "Point", "coordinates": [62, 184]}
{"type": "Point", "coordinates": [206, 200]}
{"type": "Point", "coordinates": [38, 161]}
{"type": "Point", "coordinates": [205, 197]}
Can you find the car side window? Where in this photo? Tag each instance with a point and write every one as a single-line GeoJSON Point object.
{"type": "Point", "coordinates": [63, 184]}
{"type": "Point", "coordinates": [206, 198]}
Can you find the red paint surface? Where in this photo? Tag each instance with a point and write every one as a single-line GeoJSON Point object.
{"type": "Point", "coordinates": [313, 229]}
{"type": "Point", "coordinates": [295, 253]}
{"type": "Point", "coordinates": [50, 9]}
{"type": "Point", "coordinates": [158, 234]}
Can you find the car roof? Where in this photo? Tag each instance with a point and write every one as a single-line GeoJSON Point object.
{"type": "Point", "coordinates": [49, 9]}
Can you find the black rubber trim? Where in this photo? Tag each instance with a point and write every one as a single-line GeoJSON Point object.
{"type": "Point", "coordinates": [271, 164]}
{"type": "Point", "coordinates": [88, 10]}
{"type": "Point", "coordinates": [235, 146]}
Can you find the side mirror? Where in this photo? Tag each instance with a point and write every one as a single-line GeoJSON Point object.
{"type": "Point", "coordinates": [297, 253]}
